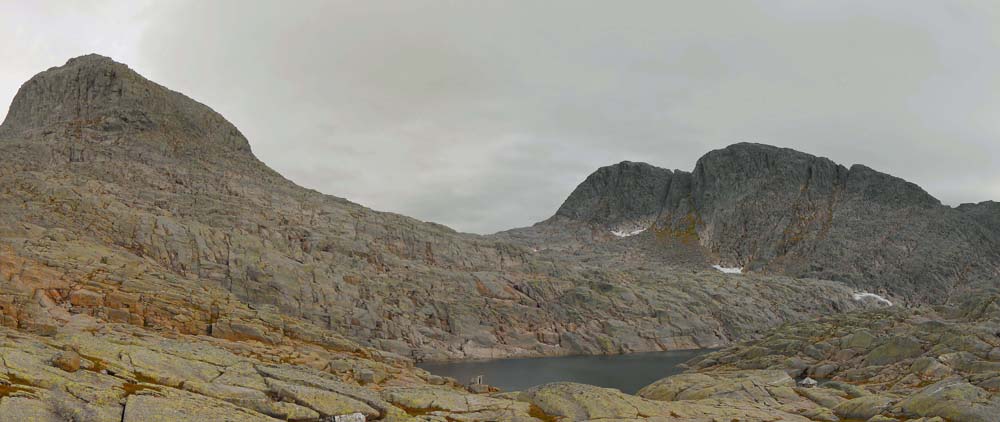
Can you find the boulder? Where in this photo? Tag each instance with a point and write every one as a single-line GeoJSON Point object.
{"type": "Point", "coordinates": [752, 385]}
{"type": "Point", "coordinates": [953, 399]}
{"type": "Point", "coordinates": [68, 361]}
{"type": "Point", "coordinates": [898, 348]}
{"type": "Point", "coordinates": [864, 407]}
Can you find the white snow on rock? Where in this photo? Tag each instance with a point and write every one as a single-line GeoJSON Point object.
{"type": "Point", "coordinates": [863, 295]}
{"type": "Point", "coordinates": [728, 270]}
{"type": "Point", "coordinates": [622, 233]}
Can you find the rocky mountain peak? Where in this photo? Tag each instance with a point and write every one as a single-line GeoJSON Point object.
{"type": "Point", "coordinates": [776, 210]}
{"type": "Point", "coordinates": [95, 97]}
{"type": "Point", "coordinates": [747, 168]}
{"type": "Point", "coordinates": [619, 193]}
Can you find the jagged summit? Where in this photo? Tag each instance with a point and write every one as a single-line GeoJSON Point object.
{"type": "Point", "coordinates": [630, 191]}
{"type": "Point", "coordinates": [95, 98]}
{"type": "Point", "coordinates": [752, 166]}
{"type": "Point", "coordinates": [777, 210]}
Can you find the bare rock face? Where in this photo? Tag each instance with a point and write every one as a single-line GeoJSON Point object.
{"type": "Point", "coordinates": [778, 211]}
{"type": "Point", "coordinates": [94, 94]}
{"type": "Point", "coordinates": [194, 283]}
{"type": "Point", "coordinates": [131, 203]}
{"type": "Point", "coordinates": [627, 195]}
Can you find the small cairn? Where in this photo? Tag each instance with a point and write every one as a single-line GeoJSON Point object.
{"type": "Point", "coordinates": [478, 386]}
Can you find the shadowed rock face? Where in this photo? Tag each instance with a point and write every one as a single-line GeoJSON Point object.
{"type": "Point", "coordinates": [779, 211]}
{"type": "Point", "coordinates": [625, 194]}
{"type": "Point", "coordinates": [132, 203]}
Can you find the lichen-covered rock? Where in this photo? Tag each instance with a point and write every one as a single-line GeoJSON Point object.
{"type": "Point", "coordinates": [864, 407]}
{"type": "Point", "coordinates": [578, 402]}
{"type": "Point", "coordinates": [953, 399]}
{"type": "Point", "coordinates": [582, 402]}
{"type": "Point", "coordinates": [894, 350]}
{"type": "Point", "coordinates": [916, 363]}
{"type": "Point", "coordinates": [195, 377]}
{"type": "Point", "coordinates": [824, 397]}
{"type": "Point", "coordinates": [23, 409]}
{"type": "Point", "coordinates": [861, 339]}
{"type": "Point", "coordinates": [754, 386]}
{"type": "Point", "coordinates": [151, 408]}
{"type": "Point", "coordinates": [930, 368]}
{"type": "Point", "coordinates": [445, 403]}
{"type": "Point", "coordinates": [327, 403]}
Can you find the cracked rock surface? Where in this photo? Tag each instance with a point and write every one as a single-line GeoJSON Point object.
{"type": "Point", "coordinates": [937, 363]}
{"type": "Point", "coordinates": [131, 203]}
{"type": "Point", "coordinates": [151, 268]}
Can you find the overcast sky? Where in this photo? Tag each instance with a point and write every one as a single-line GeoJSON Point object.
{"type": "Point", "coordinates": [485, 115]}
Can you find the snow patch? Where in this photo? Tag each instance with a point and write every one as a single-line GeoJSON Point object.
{"type": "Point", "coordinates": [863, 295]}
{"type": "Point", "coordinates": [622, 233]}
{"type": "Point", "coordinates": [729, 270]}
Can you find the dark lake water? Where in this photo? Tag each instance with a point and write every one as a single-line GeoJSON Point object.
{"type": "Point", "coordinates": [627, 373]}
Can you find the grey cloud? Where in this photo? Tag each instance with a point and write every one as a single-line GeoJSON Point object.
{"type": "Point", "coordinates": [485, 115]}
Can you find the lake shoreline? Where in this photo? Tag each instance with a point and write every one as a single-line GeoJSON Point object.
{"type": "Point", "coordinates": [626, 372]}
{"type": "Point", "coordinates": [432, 361]}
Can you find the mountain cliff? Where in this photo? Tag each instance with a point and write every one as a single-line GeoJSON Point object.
{"type": "Point", "coordinates": [774, 210]}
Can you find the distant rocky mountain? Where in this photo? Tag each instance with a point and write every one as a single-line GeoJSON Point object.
{"type": "Point", "coordinates": [774, 210]}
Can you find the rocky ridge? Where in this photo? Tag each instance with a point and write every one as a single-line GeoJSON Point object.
{"type": "Point", "coordinates": [100, 165]}
{"type": "Point", "coordinates": [773, 210]}
{"type": "Point", "coordinates": [151, 268]}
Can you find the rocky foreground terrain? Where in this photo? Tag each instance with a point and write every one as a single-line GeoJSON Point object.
{"type": "Point", "coordinates": [927, 364]}
{"type": "Point", "coordinates": [151, 268]}
{"type": "Point", "coordinates": [940, 362]}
